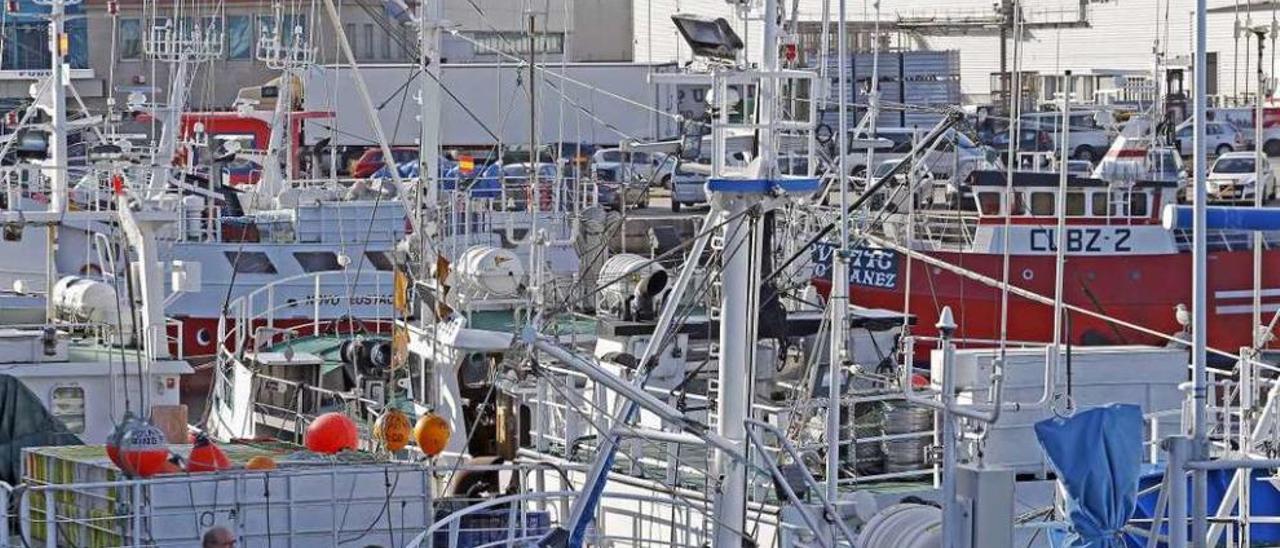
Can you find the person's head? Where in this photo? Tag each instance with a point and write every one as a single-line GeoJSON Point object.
{"type": "Point", "coordinates": [218, 537]}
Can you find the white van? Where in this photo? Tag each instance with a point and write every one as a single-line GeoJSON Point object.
{"type": "Point", "coordinates": [1090, 136]}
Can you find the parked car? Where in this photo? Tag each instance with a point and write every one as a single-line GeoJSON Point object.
{"type": "Point", "coordinates": [955, 151]}
{"type": "Point", "coordinates": [623, 178]}
{"type": "Point", "coordinates": [1220, 138]}
{"type": "Point", "coordinates": [1029, 140]}
{"type": "Point", "coordinates": [1080, 168]}
{"type": "Point", "coordinates": [517, 183]}
{"type": "Point", "coordinates": [687, 189]}
{"type": "Point", "coordinates": [371, 160]}
{"type": "Point", "coordinates": [618, 193]}
{"type": "Point", "coordinates": [1233, 178]}
{"type": "Point", "coordinates": [1090, 135]}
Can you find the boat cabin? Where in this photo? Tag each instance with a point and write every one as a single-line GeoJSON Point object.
{"type": "Point", "coordinates": [1035, 197]}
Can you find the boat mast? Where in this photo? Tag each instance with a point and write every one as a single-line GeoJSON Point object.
{"type": "Point", "coordinates": [429, 120]}
{"type": "Point", "coordinates": [839, 301]}
{"type": "Point", "coordinates": [1199, 279]}
{"type": "Point", "coordinates": [55, 165]}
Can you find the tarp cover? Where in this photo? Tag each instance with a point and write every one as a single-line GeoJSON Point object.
{"type": "Point", "coordinates": [1097, 454]}
{"type": "Point", "coordinates": [24, 422]}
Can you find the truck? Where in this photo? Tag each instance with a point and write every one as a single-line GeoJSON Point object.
{"type": "Point", "coordinates": [481, 103]}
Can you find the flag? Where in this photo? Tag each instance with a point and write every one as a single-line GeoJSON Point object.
{"type": "Point", "coordinates": [466, 164]}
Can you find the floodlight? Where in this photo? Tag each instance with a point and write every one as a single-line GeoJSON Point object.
{"type": "Point", "coordinates": [708, 37]}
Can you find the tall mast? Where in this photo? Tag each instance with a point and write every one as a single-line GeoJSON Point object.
{"type": "Point", "coordinates": [429, 120]}
{"type": "Point", "coordinates": [1199, 279]}
{"type": "Point", "coordinates": [839, 259]}
{"type": "Point", "coordinates": [55, 165]}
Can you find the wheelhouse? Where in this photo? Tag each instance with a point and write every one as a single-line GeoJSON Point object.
{"type": "Point", "coordinates": [1034, 198]}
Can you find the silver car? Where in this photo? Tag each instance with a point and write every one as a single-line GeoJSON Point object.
{"type": "Point", "coordinates": [1220, 138]}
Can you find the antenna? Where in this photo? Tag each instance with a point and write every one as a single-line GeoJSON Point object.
{"type": "Point", "coordinates": [282, 46]}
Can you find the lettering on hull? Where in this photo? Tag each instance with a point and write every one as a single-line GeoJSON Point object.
{"type": "Point", "coordinates": [876, 268]}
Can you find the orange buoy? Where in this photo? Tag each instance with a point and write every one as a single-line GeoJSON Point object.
{"type": "Point", "coordinates": [392, 430]}
{"type": "Point", "coordinates": [260, 462]}
{"type": "Point", "coordinates": [331, 433]}
{"type": "Point", "coordinates": [143, 450]}
{"type": "Point", "coordinates": [432, 434]}
{"type": "Point", "coordinates": [113, 439]}
{"type": "Point", "coordinates": [207, 456]}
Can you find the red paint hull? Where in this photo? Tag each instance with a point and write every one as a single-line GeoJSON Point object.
{"type": "Point", "coordinates": [1143, 290]}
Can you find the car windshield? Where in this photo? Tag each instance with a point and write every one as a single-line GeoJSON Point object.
{"type": "Point", "coordinates": [1233, 165]}
{"type": "Point", "coordinates": [885, 168]}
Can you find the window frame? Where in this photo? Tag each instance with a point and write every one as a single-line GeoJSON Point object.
{"type": "Point", "coordinates": [310, 261]}
{"type": "Point", "coordinates": [253, 266]}
{"type": "Point", "coordinates": [84, 407]}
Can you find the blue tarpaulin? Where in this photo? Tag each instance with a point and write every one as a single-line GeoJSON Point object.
{"type": "Point", "coordinates": [1097, 454]}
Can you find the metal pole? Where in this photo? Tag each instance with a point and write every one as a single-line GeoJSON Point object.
{"type": "Point", "coordinates": [950, 523]}
{"type": "Point", "coordinates": [1177, 447]}
{"type": "Point", "coordinates": [735, 371]}
{"type": "Point", "coordinates": [1199, 279]}
{"type": "Point", "coordinates": [55, 166]}
{"type": "Point", "coordinates": [1060, 254]}
{"type": "Point", "coordinates": [1258, 190]}
{"type": "Point", "coordinates": [839, 301]}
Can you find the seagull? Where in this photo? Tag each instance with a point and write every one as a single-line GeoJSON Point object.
{"type": "Point", "coordinates": [1183, 316]}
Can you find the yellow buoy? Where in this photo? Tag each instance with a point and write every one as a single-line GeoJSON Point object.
{"type": "Point", "coordinates": [432, 434]}
{"type": "Point", "coordinates": [392, 430]}
{"type": "Point", "coordinates": [260, 462]}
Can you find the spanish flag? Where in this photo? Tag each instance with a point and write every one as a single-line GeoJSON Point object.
{"type": "Point", "coordinates": [466, 164]}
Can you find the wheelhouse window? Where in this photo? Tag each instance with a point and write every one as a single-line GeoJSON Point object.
{"type": "Point", "coordinates": [989, 203]}
{"type": "Point", "coordinates": [1043, 203]}
{"type": "Point", "coordinates": [250, 262]}
{"type": "Point", "coordinates": [317, 261]}
{"type": "Point", "coordinates": [1075, 204]}
{"type": "Point", "coordinates": [67, 405]}
{"type": "Point", "coordinates": [1098, 204]}
{"type": "Point", "coordinates": [1138, 204]}
{"type": "Point", "coordinates": [379, 259]}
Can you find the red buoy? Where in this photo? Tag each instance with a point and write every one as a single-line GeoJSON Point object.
{"type": "Point", "coordinates": [331, 433]}
{"type": "Point", "coordinates": [206, 456]}
{"type": "Point", "coordinates": [143, 450]}
{"type": "Point", "coordinates": [113, 439]}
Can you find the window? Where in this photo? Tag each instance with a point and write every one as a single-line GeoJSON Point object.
{"type": "Point", "coordinates": [317, 261]}
{"type": "Point", "coordinates": [1019, 206]}
{"type": "Point", "coordinates": [1042, 203]}
{"type": "Point", "coordinates": [130, 39]}
{"type": "Point", "coordinates": [350, 30]}
{"type": "Point", "coordinates": [239, 37]}
{"type": "Point", "coordinates": [1075, 203]}
{"type": "Point", "coordinates": [386, 45]}
{"type": "Point", "coordinates": [1099, 206]}
{"type": "Point", "coordinates": [368, 40]}
{"type": "Point", "coordinates": [1138, 204]}
{"type": "Point", "coordinates": [67, 405]}
{"type": "Point", "coordinates": [26, 38]}
{"type": "Point", "coordinates": [250, 262]}
{"type": "Point", "coordinates": [517, 43]}
{"type": "Point", "coordinates": [379, 259]}
{"type": "Point", "coordinates": [989, 203]}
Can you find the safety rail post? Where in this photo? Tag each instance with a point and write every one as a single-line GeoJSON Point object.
{"type": "Point", "coordinates": [5, 489]}
{"type": "Point", "coordinates": [50, 520]}
{"type": "Point", "coordinates": [315, 307]}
